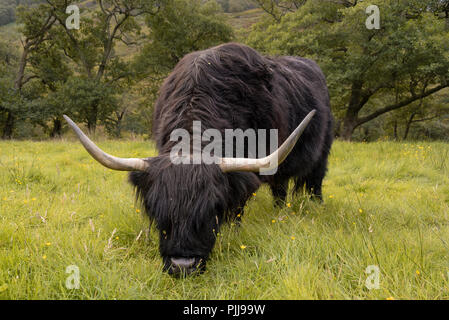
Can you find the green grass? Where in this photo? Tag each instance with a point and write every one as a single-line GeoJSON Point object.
{"type": "Point", "coordinates": [386, 204]}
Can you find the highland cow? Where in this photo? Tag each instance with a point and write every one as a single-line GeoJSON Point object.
{"type": "Point", "coordinates": [227, 87]}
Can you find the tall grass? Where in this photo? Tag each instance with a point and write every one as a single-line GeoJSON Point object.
{"type": "Point", "coordinates": [386, 204]}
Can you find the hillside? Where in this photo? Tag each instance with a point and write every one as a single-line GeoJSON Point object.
{"type": "Point", "coordinates": [242, 21]}
{"type": "Point", "coordinates": [8, 7]}
{"type": "Point", "coordinates": [239, 21]}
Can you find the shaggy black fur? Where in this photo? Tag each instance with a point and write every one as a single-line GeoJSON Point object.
{"type": "Point", "coordinates": [228, 87]}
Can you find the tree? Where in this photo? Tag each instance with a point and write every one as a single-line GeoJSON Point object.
{"type": "Point", "coordinates": [182, 27]}
{"type": "Point", "coordinates": [91, 53]}
{"type": "Point", "coordinates": [370, 72]}
{"type": "Point", "coordinates": [7, 9]}
{"type": "Point", "coordinates": [37, 21]}
{"type": "Point", "coordinates": [276, 9]}
{"type": "Point", "coordinates": [50, 68]}
{"type": "Point", "coordinates": [81, 73]}
{"type": "Point", "coordinates": [8, 62]}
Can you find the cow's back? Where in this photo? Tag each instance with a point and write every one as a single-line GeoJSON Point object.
{"type": "Point", "coordinates": [232, 86]}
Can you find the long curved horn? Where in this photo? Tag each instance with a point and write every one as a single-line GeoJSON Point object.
{"type": "Point", "coordinates": [111, 162]}
{"type": "Point", "coordinates": [255, 165]}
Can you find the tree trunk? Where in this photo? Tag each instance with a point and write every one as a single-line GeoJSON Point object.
{"type": "Point", "coordinates": [395, 130]}
{"type": "Point", "coordinates": [57, 128]}
{"type": "Point", "coordinates": [350, 121]}
{"type": "Point", "coordinates": [92, 120]}
{"type": "Point", "coordinates": [349, 125]}
{"type": "Point", "coordinates": [447, 19]}
{"type": "Point", "coordinates": [91, 125]}
{"type": "Point", "coordinates": [337, 128]}
{"type": "Point", "coordinates": [408, 125]}
{"type": "Point", "coordinates": [366, 134]}
{"type": "Point", "coordinates": [118, 128]}
{"type": "Point", "coordinates": [18, 82]}
{"type": "Point", "coordinates": [347, 131]}
{"type": "Point", "coordinates": [9, 126]}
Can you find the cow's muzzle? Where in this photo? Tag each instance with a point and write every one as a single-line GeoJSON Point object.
{"type": "Point", "coordinates": [180, 267]}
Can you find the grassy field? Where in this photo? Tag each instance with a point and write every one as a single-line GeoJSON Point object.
{"type": "Point", "coordinates": [386, 204]}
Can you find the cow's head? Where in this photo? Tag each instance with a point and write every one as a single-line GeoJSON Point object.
{"type": "Point", "coordinates": [189, 202]}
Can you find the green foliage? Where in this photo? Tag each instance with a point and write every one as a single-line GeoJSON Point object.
{"type": "Point", "coordinates": [85, 99]}
{"type": "Point", "coordinates": [379, 79]}
{"type": "Point", "coordinates": [49, 65]}
{"type": "Point", "coordinates": [55, 62]}
{"type": "Point", "coordinates": [10, 101]}
{"type": "Point", "coordinates": [8, 7]}
{"type": "Point", "coordinates": [6, 13]}
{"type": "Point", "coordinates": [365, 68]}
{"type": "Point", "coordinates": [180, 28]}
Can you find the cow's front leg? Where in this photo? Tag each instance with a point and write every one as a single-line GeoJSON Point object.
{"type": "Point", "coordinates": [279, 191]}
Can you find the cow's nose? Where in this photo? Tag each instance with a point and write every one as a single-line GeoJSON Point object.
{"type": "Point", "coordinates": [183, 263]}
{"type": "Point", "coordinates": [180, 267]}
